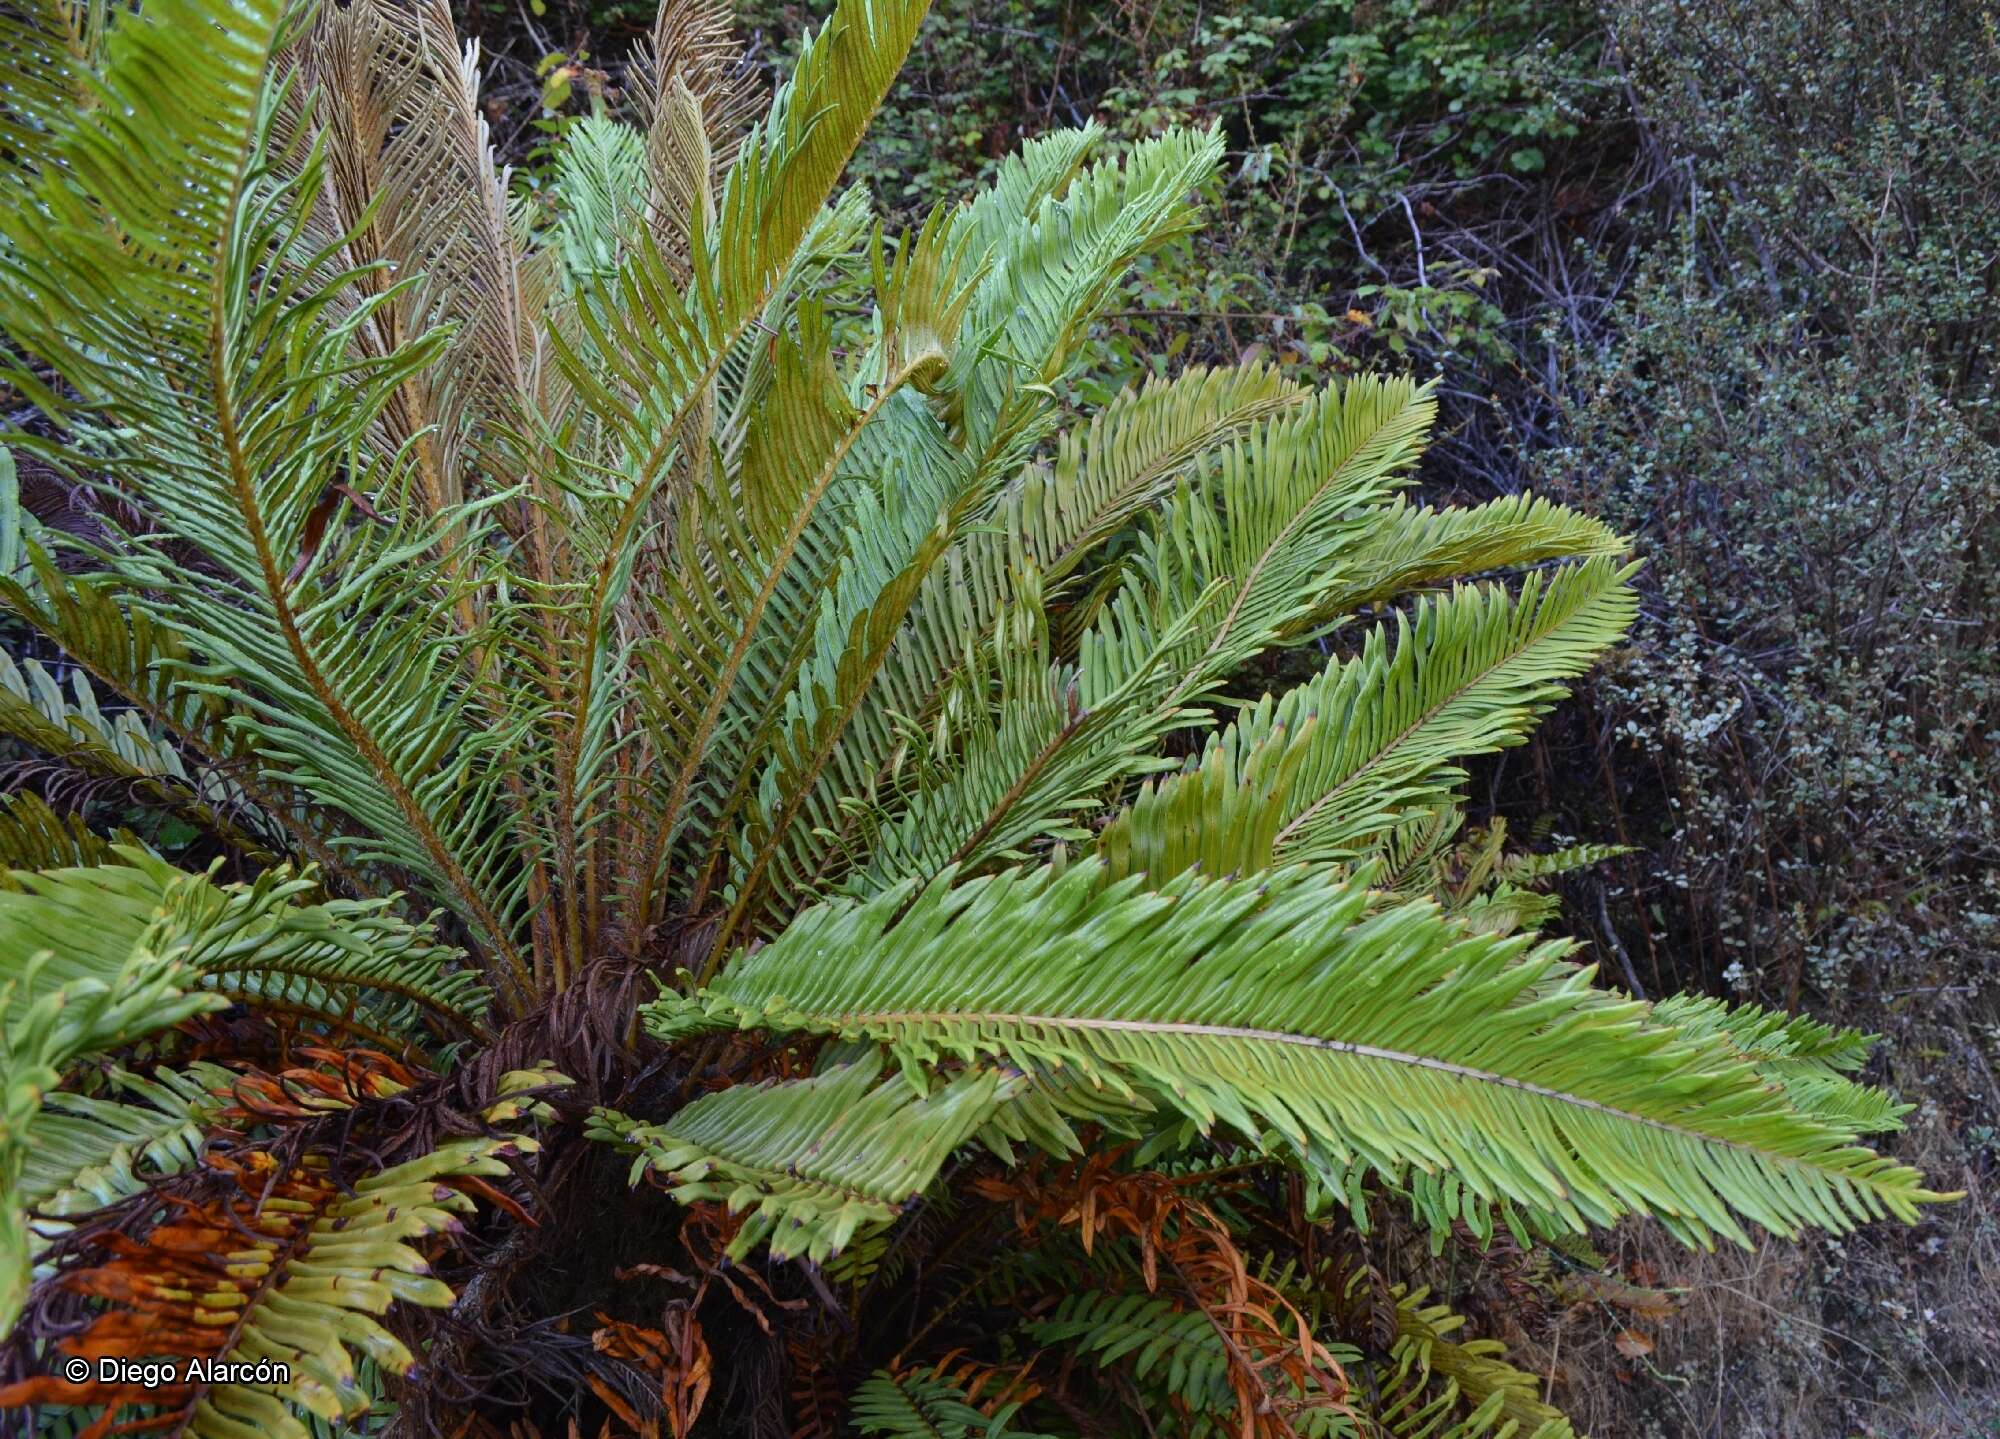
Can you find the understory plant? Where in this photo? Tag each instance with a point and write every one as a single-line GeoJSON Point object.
{"type": "Point", "coordinates": [730, 891]}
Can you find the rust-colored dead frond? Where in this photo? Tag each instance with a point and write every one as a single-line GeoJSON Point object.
{"type": "Point", "coordinates": [819, 1398]}
{"type": "Point", "coordinates": [187, 1288]}
{"type": "Point", "coordinates": [677, 1354]}
{"type": "Point", "coordinates": [333, 1080]}
{"type": "Point", "coordinates": [988, 1386]}
{"type": "Point", "coordinates": [1276, 1365]}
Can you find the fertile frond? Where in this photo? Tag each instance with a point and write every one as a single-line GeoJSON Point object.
{"type": "Point", "coordinates": [1285, 1006]}
{"type": "Point", "coordinates": [1374, 741]}
{"type": "Point", "coordinates": [817, 1160]}
{"type": "Point", "coordinates": [287, 1267]}
{"type": "Point", "coordinates": [697, 98]}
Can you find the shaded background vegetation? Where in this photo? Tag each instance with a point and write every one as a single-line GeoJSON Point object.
{"type": "Point", "coordinates": [1722, 271]}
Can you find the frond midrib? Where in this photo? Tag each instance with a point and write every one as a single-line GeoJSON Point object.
{"type": "Point", "coordinates": [973, 1018]}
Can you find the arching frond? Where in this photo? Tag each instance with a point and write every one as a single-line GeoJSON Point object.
{"type": "Point", "coordinates": [66, 724]}
{"type": "Point", "coordinates": [1172, 1348]}
{"type": "Point", "coordinates": [34, 836]}
{"type": "Point", "coordinates": [89, 1151]}
{"type": "Point", "coordinates": [351, 961]}
{"type": "Point", "coordinates": [1043, 283]}
{"type": "Point", "coordinates": [224, 399]}
{"type": "Point", "coordinates": [44, 1028]}
{"type": "Point", "coordinates": [1041, 169]}
{"type": "Point", "coordinates": [1408, 547]}
{"type": "Point", "coordinates": [1374, 741]}
{"type": "Point", "coordinates": [1281, 1004]}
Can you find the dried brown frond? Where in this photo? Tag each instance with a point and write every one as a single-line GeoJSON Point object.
{"type": "Point", "coordinates": [1273, 1354]}
{"type": "Point", "coordinates": [697, 95]}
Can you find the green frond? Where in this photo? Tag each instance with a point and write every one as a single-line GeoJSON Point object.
{"type": "Point", "coordinates": [33, 836]}
{"type": "Point", "coordinates": [348, 961]}
{"type": "Point", "coordinates": [818, 1160]}
{"type": "Point", "coordinates": [122, 649]}
{"type": "Point", "coordinates": [1023, 768]}
{"type": "Point", "coordinates": [44, 1028]}
{"type": "Point", "coordinates": [1043, 282]}
{"type": "Point", "coordinates": [224, 398]}
{"type": "Point", "coordinates": [599, 189]}
{"type": "Point", "coordinates": [1040, 169]}
{"type": "Point", "coordinates": [1246, 548]}
{"type": "Point", "coordinates": [893, 636]}
{"type": "Point", "coordinates": [1127, 458]}
{"type": "Point", "coordinates": [68, 726]}
{"type": "Point", "coordinates": [662, 340]}
{"type": "Point", "coordinates": [1432, 1380]}
{"type": "Point", "coordinates": [1169, 1348]}
{"type": "Point", "coordinates": [738, 619]}
{"type": "Point", "coordinates": [1375, 741]}
{"type": "Point", "coordinates": [1812, 1061]}
{"type": "Point", "coordinates": [90, 1151]}
{"type": "Point", "coordinates": [1049, 276]}
{"type": "Point", "coordinates": [1017, 770]}
{"type": "Point", "coordinates": [925, 1406]}
{"type": "Point", "coordinates": [1529, 866]}
{"type": "Point", "coordinates": [1408, 547]}
{"type": "Point", "coordinates": [1284, 1005]}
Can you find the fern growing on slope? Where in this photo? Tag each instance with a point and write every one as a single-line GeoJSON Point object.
{"type": "Point", "coordinates": [629, 692]}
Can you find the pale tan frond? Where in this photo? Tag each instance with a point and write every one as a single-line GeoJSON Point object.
{"type": "Point", "coordinates": [414, 190]}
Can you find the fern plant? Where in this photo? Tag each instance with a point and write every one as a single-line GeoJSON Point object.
{"type": "Point", "coordinates": [722, 804]}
